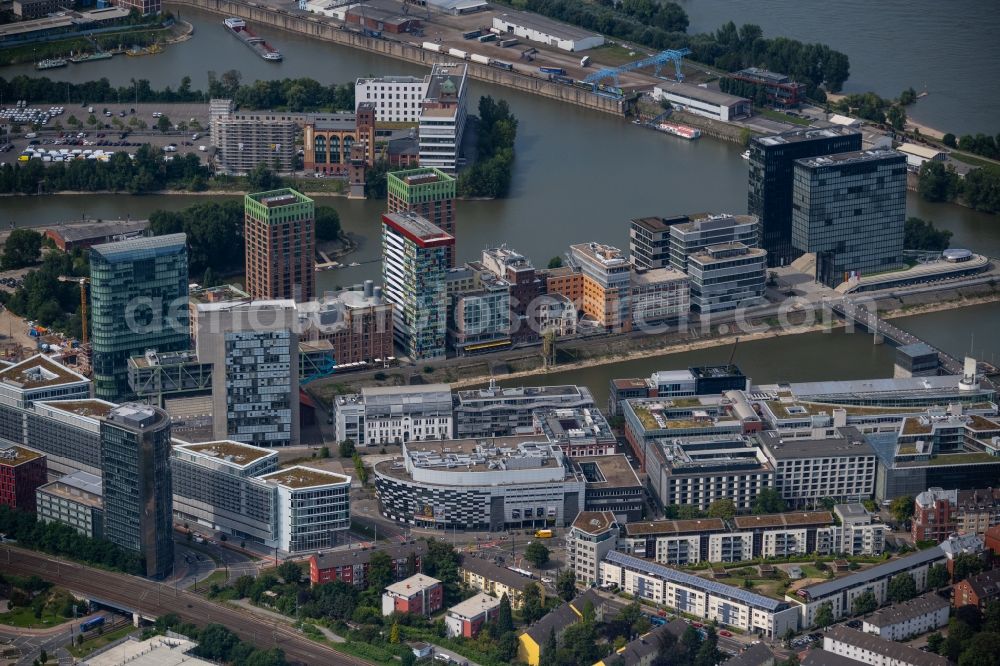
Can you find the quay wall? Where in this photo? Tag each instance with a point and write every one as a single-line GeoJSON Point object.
{"type": "Point", "coordinates": [330, 30]}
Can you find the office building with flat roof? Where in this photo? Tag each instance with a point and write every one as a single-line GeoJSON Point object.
{"type": "Point", "coordinates": [414, 268]}
{"type": "Point", "coordinates": [75, 500]}
{"type": "Point", "coordinates": [649, 240]}
{"type": "Point", "coordinates": [725, 277]}
{"type": "Point", "coordinates": [442, 116]}
{"type": "Point", "coordinates": [280, 236]}
{"type": "Point", "coordinates": [607, 277]}
{"type": "Point", "coordinates": [690, 235]}
{"type": "Point", "coordinates": [311, 507]}
{"type": "Point", "coordinates": [611, 485]}
{"type": "Point", "coordinates": [479, 312]}
{"type": "Point", "coordinates": [495, 484]}
{"type": "Point", "coordinates": [772, 163]}
{"type": "Point", "coordinates": [137, 484]}
{"type": "Point", "coordinates": [237, 489]}
{"type": "Point", "coordinates": [529, 311]}
{"type": "Point", "coordinates": [849, 210]}
{"type": "Point", "coordinates": [253, 348]}
{"type": "Point", "coordinates": [837, 463]}
{"type": "Point", "coordinates": [498, 411]}
{"type": "Point", "coordinates": [394, 414]}
{"type": "Point", "coordinates": [40, 378]}
{"type": "Point", "coordinates": [22, 472]}
{"type": "Point", "coordinates": [579, 431]}
{"type": "Point", "coordinates": [537, 28]}
{"type": "Point", "coordinates": [68, 432]}
{"type": "Point", "coordinates": [397, 99]}
{"type": "Point", "coordinates": [138, 301]}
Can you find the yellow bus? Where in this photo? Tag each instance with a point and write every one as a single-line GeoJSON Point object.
{"type": "Point", "coordinates": [543, 534]}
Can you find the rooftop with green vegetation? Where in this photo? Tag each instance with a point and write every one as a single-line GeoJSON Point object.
{"type": "Point", "coordinates": [299, 478]}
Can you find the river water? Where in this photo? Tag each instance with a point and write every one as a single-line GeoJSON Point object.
{"type": "Point", "coordinates": [950, 49]}
{"type": "Point", "coordinates": [579, 176]}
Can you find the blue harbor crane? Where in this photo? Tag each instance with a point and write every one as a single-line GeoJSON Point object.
{"type": "Point", "coordinates": [656, 61]}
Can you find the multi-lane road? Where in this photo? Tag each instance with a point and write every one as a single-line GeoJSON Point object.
{"type": "Point", "coordinates": [153, 599]}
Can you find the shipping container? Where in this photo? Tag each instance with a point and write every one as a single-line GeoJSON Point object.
{"type": "Point", "coordinates": [552, 70]}
{"type": "Point", "coordinates": [431, 46]}
{"type": "Point", "coordinates": [500, 64]}
{"type": "Point", "coordinates": [472, 34]}
{"type": "Point", "coordinates": [506, 43]}
{"type": "Point", "coordinates": [488, 38]}
{"type": "Point", "coordinates": [475, 57]}
{"type": "Point", "coordinates": [458, 53]}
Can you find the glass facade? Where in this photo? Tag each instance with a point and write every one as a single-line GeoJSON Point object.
{"type": "Point", "coordinates": [259, 386]}
{"type": "Point", "coordinates": [138, 301]}
{"type": "Point", "coordinates": [137, 484]}
{"type": "Point", "coordinates": [850, 209]}
{"type": "Point", "coordinates": [772, 160]}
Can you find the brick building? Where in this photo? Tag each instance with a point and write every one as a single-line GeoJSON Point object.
{"type": "Point", "coordinates": [22, 471]}
{"type": "Point", "coordinates": [418, 594]}
{"type": "Point", "coordinates": [328, 139]}
{"type": "Point", "coordinates": [467, 618]}
{"type": "Point", "coordinates": [351, 566]}
{"type": "Point", "coordinates": [977, 590]}
{"type": "Point", "coordinates": [938, 513]}
{"type": "Point", "coordinates": [280, 237]}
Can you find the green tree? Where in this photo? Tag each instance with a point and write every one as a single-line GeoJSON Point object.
{"type": "Point", "coordinates": [537, 553]}
{"type": "Point", "coordinates": [346, 448]}
{"type": "Point", "coordinates": [901, 588]}
{"type": "Point", "coordinates": [937, 576]}
{"type": "Point", "coordinates": [408, 658]}
{"type": "Point", "coordinates": [982, 650]}
{"type": "Point", "coordinates": [506, 646]}
{"type": "Point", "coordinates": [935, 642]}
{"type": "Point", "coordinates": [722, 508]}
{"type": "Point", "coordinates": [949, 140]}
{"type": "Point", "coordinates": [690, 644]}
{"type": "Point", "coordinates": [864, 603]}
{"type": "Point", "coordinates": [324, 452]}
{"type": "Point", "coordinates": [376, 185]}
{"type": "Point", "coordinates": [908, 96]}
{"type": "Point", "coordinates": [22, 248]}
{"type": "Point", "coordinates": [937, 182]}
{"type": "Point", "coordinates": [708, 653]}
{"type": "Point", "coordinates": [896, 117]}
{"type": "Point", "coordinates": [531, 607]}
{"type": "Point", "coordinates": [547, 655]}
{"type": "Point", "coordinates": [327, 223]}
{"type": "Point", "coordinates": [901, 509]}
{"type": "Point", "coordinates": [505, 618]}
{"type": "Point", "coordinates": [768, 500]}
{"type": "Point", "coordinates": [556, 262]}
{"type": "Point", "coordinates": [163, 124]}
{"type": "Point", "coordinates": [380, 570]}
{"type": "Point", "coordinates": [262, 179]}
{"type": "Point", "coordinates": [411, 564]}
{"type": "Point", "coordinates": [967, 564]}
{"type": "Point", "coordinates": [91, 120]}
{"type": "Point", "coordinates": [824, 615]}
{"type": "Point", "coordinates": [441, 562]}
{"type": "Point", "coordinates": [566, 584]}
{"type": "Point", "coordinates": [394, 633]}
{"type": "Point", "coordinates": [921, 235]}
{"type": "Point", "coordinates": [290, 572]}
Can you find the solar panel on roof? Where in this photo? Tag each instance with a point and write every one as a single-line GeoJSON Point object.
{"type": "Point", "coordinates": [672, 575]}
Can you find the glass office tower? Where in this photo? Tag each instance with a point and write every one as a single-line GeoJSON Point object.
{"type": "Point", "coordinates": [772, 160]}
{"type": "Point", "coordinates": [138, 301]}
{"type": "Point", "coordinates": [850, 209]}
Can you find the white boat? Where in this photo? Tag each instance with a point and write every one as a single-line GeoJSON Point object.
{"type": "Point", "coordinates": [745, 154]}
{"type": "Point", "coordinates": [682, 131]}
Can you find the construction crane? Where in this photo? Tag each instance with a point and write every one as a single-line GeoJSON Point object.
{"type": "Point", "coordinates": [83, 302]}
{"type": "Point", "coordinates": [656, 61]}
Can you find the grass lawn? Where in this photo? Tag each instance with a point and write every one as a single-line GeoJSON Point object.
{"type": "Point", "coordinates": [615, 55]}
{"type": "Point", "coordinates": [88, 646]}
{"type": "Point", "coordinates": [782, 117]}
{"type": "Point", "coordinates": [202, 586]}
{"type": "Point", "coordinates": [24, 617]}
{"type": "Point", "coordinates": [973, 160]}
{"type": "Point", "coordinates": [810, 571]}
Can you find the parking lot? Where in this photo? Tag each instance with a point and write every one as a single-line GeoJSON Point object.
{"type": "Point", "coordinates": [62, 131]}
